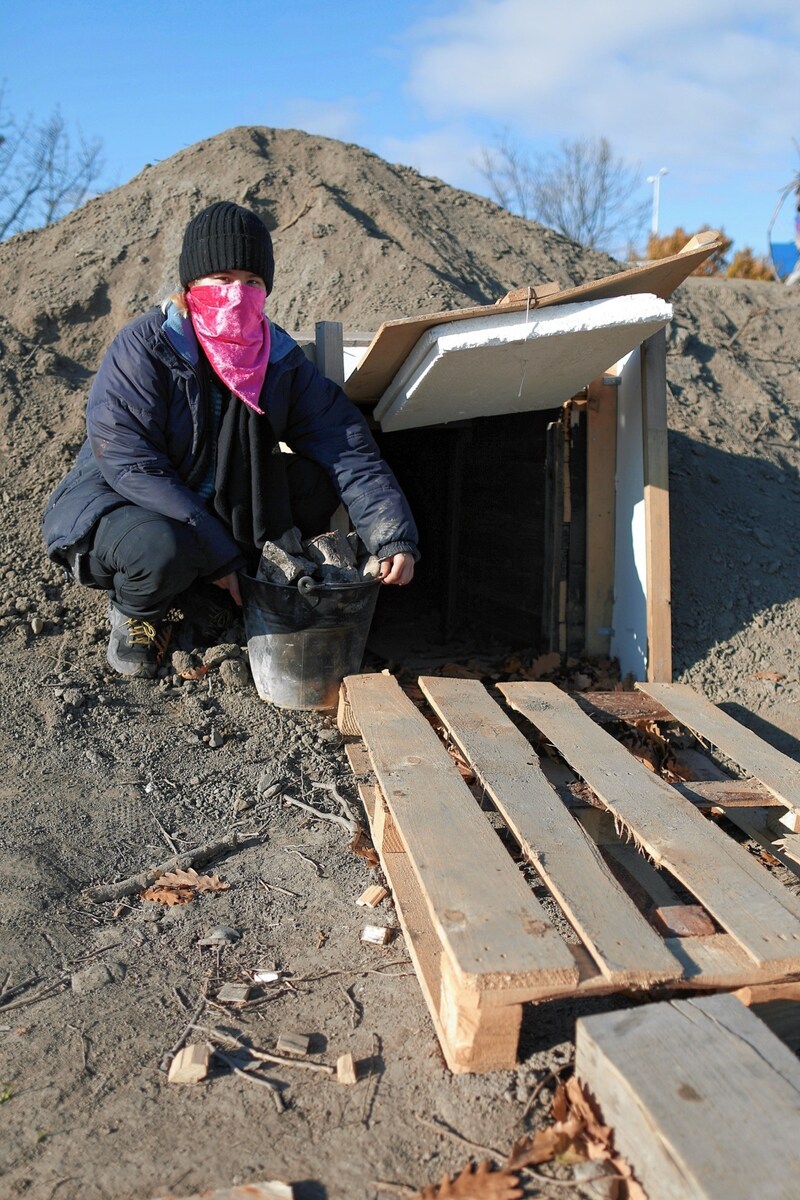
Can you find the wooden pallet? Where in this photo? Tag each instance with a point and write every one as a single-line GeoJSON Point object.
{"type": "Point", "coordinates": [481, 942]}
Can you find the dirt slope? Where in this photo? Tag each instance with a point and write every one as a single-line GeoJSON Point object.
{"type": "Point", "coordinates": [100, 774]}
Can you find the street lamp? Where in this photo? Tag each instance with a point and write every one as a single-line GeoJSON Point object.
{"type": "Point", "coordinates": [656, 182]}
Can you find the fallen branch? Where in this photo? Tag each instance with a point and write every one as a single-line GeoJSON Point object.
{"type": "Point", "coordinates": [264, 1055]}
{"type": "Point", "coordinates": [145, 879]}
{"type": "Point", "coordinates": [348, 824]}
{"type": "Point", "coordinates": [223, 1058]}
{"type": "Point", "coordinates": [305, 858]}
{"type": "Point", "coordinates": [49, 990]}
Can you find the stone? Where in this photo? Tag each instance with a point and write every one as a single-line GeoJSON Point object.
{"type": "Point", "coordinates": [235, 673]}
{"type": "Point", "coordinates": [37, 625]}
{"type": "Point", "coordinates": [220, 654]}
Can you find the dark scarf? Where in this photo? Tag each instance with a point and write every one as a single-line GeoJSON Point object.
{"type": "Point", "coordinates": [251, 487]}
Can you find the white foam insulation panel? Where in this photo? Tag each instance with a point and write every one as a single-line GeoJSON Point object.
{"type": "Point", "coordinates": [515, 362]}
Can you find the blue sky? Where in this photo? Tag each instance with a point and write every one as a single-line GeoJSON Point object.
{"type": "Point", "coordinates": [705, 88]}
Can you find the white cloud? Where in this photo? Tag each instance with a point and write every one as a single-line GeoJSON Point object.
{"type": "Point", "coordinates": [699, 82]}
{"type": "Point", "coordinates": [336, 119]}
{"type": "Point", "coordinates": [449, 152]}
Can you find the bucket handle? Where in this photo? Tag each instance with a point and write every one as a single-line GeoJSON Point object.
{"type": "Point", "coordinates": [307, 589]}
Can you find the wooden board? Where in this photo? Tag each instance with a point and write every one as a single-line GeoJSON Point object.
{"type": "Point", "coordinates": [395, 340]}
{"type": "Point", "coordinates": [656, 506]}
{"type": "Point", "coordinates": [779, 773]}
{"type": "Point", "coordinates": [488, 920]}
{"type": "Point", "coordinates": [601, 456]}
{"type": "Point", "coordinates": [757, 911]}
{"type": "Point", "coordinates": [703, 1098]}
{"type": "Point", "coordinates": [627, 950]}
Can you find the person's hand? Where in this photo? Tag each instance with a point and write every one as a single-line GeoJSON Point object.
{"type": "Point", "coordinates": [398, 569]}
{"type": "Point", "coordinates": [231, 584]}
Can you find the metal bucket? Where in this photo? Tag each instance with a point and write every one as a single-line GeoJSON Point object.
{"type": "Point", "coordinates": [303, 638]}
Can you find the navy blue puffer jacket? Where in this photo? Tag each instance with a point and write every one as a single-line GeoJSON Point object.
{"type": "Point", "coordinates": [146, 424]}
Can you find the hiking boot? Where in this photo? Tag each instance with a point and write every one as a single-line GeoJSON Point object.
{"type": "Point", "coordinates": [135, 647]}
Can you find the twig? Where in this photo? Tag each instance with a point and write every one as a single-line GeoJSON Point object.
{"type": "Point", "coordinates": [266, 1055]}
{"type": "Point", "coordinates": [340, 800]}
{"type": "Point", "coordinates": [145, 879]}
{"type": "Point", "coordinates": [567, 1183]}
{"type": "Point", "coordinates": [49, 990]}
{"type": "Point", "coordinates": [357, 1010]}
{"type": "Point", "coordinates": [542, 1084]}
{"type": "Point", "coordinates": [399, 1189]}
{"type": "Point", "coordinates": [298, 216]}
{"type": "Point", "coordinates": [267, 1083]}
{"type": "Point", "coordinates": [8, 993]}
{"type": "Point", "coordinates": [170, 1054]}
{"type": "Point", "coordinates": [395, 962]}
{"type": "Point", "coordinates": [440, 1127]}
{"type": "Point", "coordinates": [369, 1094]}
{"type": "Point", "coordinates": [305, 858]}
{"type": "Point", "coordinates": [757, 312]}
{"type": "Point", "coordinates": [349, 825]}
{"type": "Point", "coordinates": [273, 887]}
{"type": "Point", "coordinates": [164, 834]}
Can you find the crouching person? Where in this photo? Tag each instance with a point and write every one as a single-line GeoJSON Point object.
{"type": "Point", "coordinates": [181, 481]}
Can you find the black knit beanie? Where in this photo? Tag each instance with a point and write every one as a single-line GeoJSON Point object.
{"type": "Point", "coordinates": [226, 237]}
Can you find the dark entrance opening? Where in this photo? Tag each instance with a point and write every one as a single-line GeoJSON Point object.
{"type": "Point", "coordinates": [482, 492]}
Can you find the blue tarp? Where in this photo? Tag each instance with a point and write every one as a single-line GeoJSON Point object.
{"type": "Point", "coordinates": [784, 255]}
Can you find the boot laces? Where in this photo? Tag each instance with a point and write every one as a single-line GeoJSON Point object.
{"type": "Point", "coordinates": [140, 633]}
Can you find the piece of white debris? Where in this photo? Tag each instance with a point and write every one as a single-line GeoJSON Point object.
{"type": "Point", "coordinates": [376, 935]}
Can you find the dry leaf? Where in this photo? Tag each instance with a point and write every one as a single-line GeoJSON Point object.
{"type": "Point", "coordinates": [360, 845]}
{"type": "Point", "coordinates": [577, 1135]}
{"type": "Point", "coordinates": [545, 664]}
{"type": "Point", "coordinates": [769, 859]}
{"type": "Point", "coordinates": [180, 887]}
{"type": "Point", "coordinates": [770, 676]}
{"type": "Point", "coordinates": [195, 672]}
{"type": "Point", "coordinates": [479, 1182]}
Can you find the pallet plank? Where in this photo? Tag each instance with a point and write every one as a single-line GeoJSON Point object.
{"type": "Point", "coordinates": [779, 773]}
{"type": "Point", "coordinates": [757, 911]}
{"type": "Point", "coordinates": [703, 1098]}
{"type": "Point", "coordinates": [626, 948]}
{"type": "Point", "coordinates": [494, 930]}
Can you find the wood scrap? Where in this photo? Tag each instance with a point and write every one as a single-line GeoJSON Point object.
{"type": "Point", "coordinates": [293, 1043]}
{"type": "Point", "coordinates": [376, 935]}
{"type": "Point", "coordinates": [346, 1071]}
{"type": "Point", "coordinates": [373, 896]}
{"type": "Point", "coordinates": [190, 1064]}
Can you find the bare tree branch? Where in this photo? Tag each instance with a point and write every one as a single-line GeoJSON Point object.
{"type": "Point", "coordinates": [42, 175]}
{"type": "Point", "coordinates": [583, 190]}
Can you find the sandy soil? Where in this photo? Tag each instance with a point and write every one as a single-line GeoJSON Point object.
{"type": "Point", "coordinates": [100, 773]}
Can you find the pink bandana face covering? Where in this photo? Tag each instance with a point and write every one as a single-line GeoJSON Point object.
{"type": "Point", "coordinates": [229, 321]}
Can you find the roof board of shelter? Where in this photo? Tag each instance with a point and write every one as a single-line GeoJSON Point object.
{"type": "Point", "coordinates": [514, 362]}
{"type": "Point", "coordinates": [395, 340]}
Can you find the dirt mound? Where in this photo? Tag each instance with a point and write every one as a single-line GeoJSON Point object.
{"type": "Point", "coordinates": [102, 774]}
{"type": "Point", "coordinates": [356, 240]}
